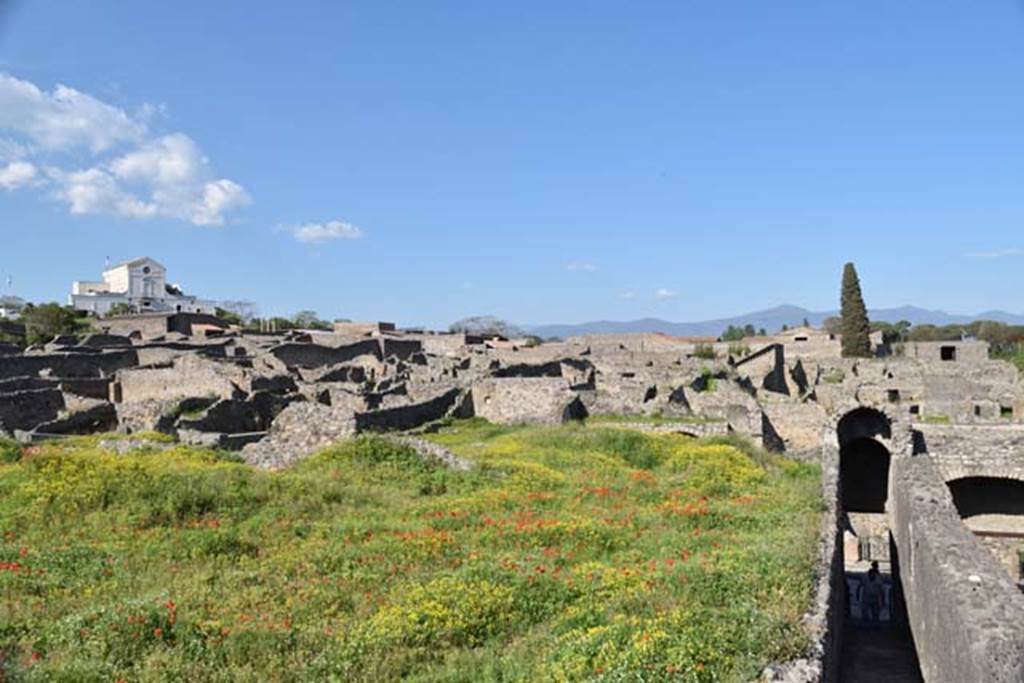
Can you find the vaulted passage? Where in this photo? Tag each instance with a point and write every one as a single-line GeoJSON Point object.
{"type": "Point", "coordinates": [876, 643]}
{"type": "Point", "coordinates": [864, 473]}
{"type": "Point", "coordinates": [863, 460]}
{"type": "Point", "coordinates": [993, 509]}
{"type": "Point", "coordinates": [987, 496]}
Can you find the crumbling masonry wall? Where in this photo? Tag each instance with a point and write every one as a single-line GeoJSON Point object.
{"type": "Point", "coordinates": [966, 615]}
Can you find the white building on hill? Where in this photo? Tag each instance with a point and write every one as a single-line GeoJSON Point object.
{"type": "Point", "coordinates": [10, 307]}
{"type": "Point", "coordinates": [141, 284]}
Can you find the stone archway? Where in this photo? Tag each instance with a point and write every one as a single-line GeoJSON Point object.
{"type": "Point", "coordinates": [867, 438]}
{"type": "Point", "coordinates": [984, 495]}
{"type": "Point", "coordinates": [864, 458]}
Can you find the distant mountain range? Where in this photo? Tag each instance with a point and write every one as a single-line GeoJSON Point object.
{"type": "Point", "coordinates": [771, 319]}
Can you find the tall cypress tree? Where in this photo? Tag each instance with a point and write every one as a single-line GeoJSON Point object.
{"type": "Point", "coordinates": [856, 328]}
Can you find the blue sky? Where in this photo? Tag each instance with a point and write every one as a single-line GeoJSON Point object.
{"type": "Point", "coordinates": [540, 161]}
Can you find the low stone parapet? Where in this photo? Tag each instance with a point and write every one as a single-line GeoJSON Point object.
{"type": "Point", "coordinates": [966, 614]}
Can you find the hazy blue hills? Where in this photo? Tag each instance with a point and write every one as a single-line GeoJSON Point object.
{"type": "Point", "coordinates": [771, 319]}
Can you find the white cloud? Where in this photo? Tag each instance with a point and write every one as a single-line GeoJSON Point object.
{"type": "Point", "coordinates": [576, 266]}
{"type": "Point", "coordinates": [665, 294]}
{"type": "Point", "coordinates": [218, 197]}
{"type": "Point", "coordinates": [129, 171]}
{"type": "Point", "coordinates": [628, 295]}
{"type": "Point", "coordinates": [316, 233]}
{"type": "Point", "coordinates": [17, 174]}
{"type": "Point", "coordinates": [64, 118]}
{"type": "Point", "coordinates": [173, 173]}
{"type": "Point", "coordinates": [94, 190]}
{"type": "Point", "coordinates": [996, 254]}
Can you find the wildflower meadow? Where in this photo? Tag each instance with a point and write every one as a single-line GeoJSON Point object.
{"type": "Point", "coordinates": [566, 553]}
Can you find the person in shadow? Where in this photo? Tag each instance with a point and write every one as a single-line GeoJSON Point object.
{"type": "Point", "coordinates": [871, 595]}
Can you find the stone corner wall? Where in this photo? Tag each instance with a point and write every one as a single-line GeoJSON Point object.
{"type": "Point", "coordinates": [966, 615]}
{"type": "Point", "coordinates": [824, 619]}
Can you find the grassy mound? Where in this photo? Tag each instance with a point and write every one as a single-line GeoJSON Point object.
{"type": "Point", "coordinates": [566, 554]}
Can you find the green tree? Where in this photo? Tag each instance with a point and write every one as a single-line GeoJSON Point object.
{"type": "Point", "coordinates": [230, 317]}
{"type": "Point", "coordinates": [119, 309]}
{"type": "Point", "coordinates": [732, 334]}
{"type": "Point", "coordinates": [485, 325]}
{"type": "Point", "coordinates": [309, 320]}
{"type": "Point", "coordinates": [46, 321]}
{"type": "Point", "coordinates": [856, 327]}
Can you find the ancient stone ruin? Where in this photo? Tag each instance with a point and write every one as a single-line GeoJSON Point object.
{"type": "Point", "coordinates": [922, 450]}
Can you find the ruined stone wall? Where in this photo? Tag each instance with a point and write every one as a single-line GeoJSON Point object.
{"type": "Point", "coordinates": [964, 450]}
{"type": "Point", "coordinates": [443, 344]}
{"type": "Point", "coordinates": [146, 326]}
{"type": "Point", "coordinates": [67, 365]}
{"type": "Point", "coordinates": [966, 615]}
{"type": "Point", "coordinates": [305, 355]}
{"type": "Point", "coordinates": [798, 425]}
{"type": "Point", "coordinates": [821, 349]}
{"type": "Point", "coordinates": [25, 409]}
{"type": "Point", "coordinates": [190, 376]}
{"type": "Point", "coordinates": [521, 400]}
{"type": "Point", "coordinates": [403, 349]}
{"type": "Point", "coordinates": [1006, 550]}
{"type": "Point", "coordinates": [963, 351]}
{"type": "Point", "coordinates": [409, 416]}
{"type": "Point", "coordinates": [824, 620]}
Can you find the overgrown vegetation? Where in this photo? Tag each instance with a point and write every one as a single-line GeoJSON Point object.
{"type": "Point", "coordinates": [1016, 356]}
{"type": "Point", "coordinates": [833, 376]}
{"type": "Point", "coordinates": [567, 553]}
{"type": "Point", "coordinates": [738, 350]}
{"type": "Point", "coordinates": [936, 419]}
{"type": "Point", "coordinates": [303, 320]}
{"type": "Point", "coordinates": [704, 351]}
{"type": "Point", "coordinates": [706, 382]}
{"type": "Point", "coordinates": [735, 334]}
{"type": "Point", "coordinates": [10, 451]}
{"type": "Point", "coordinates": [43, 322]}
{"type": "Point", "coordinates": [1006, 342]}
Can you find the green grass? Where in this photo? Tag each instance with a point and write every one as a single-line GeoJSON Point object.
{"type": "Point", "coordinates": [1018, 359]}
{"type": "Point", "coordinates": [10, 451]}
{"type": "Point", "coordinates": [567, 553]}
{"type": "Point", "coordinates": [936, 419]}
{"type": "Point", "coordinates": [1013, 354]}
{"type": "Point", "coordinates": [833, 376]}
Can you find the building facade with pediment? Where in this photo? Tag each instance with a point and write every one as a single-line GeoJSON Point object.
{"type": "Point", "coordinates": [141, 286]}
